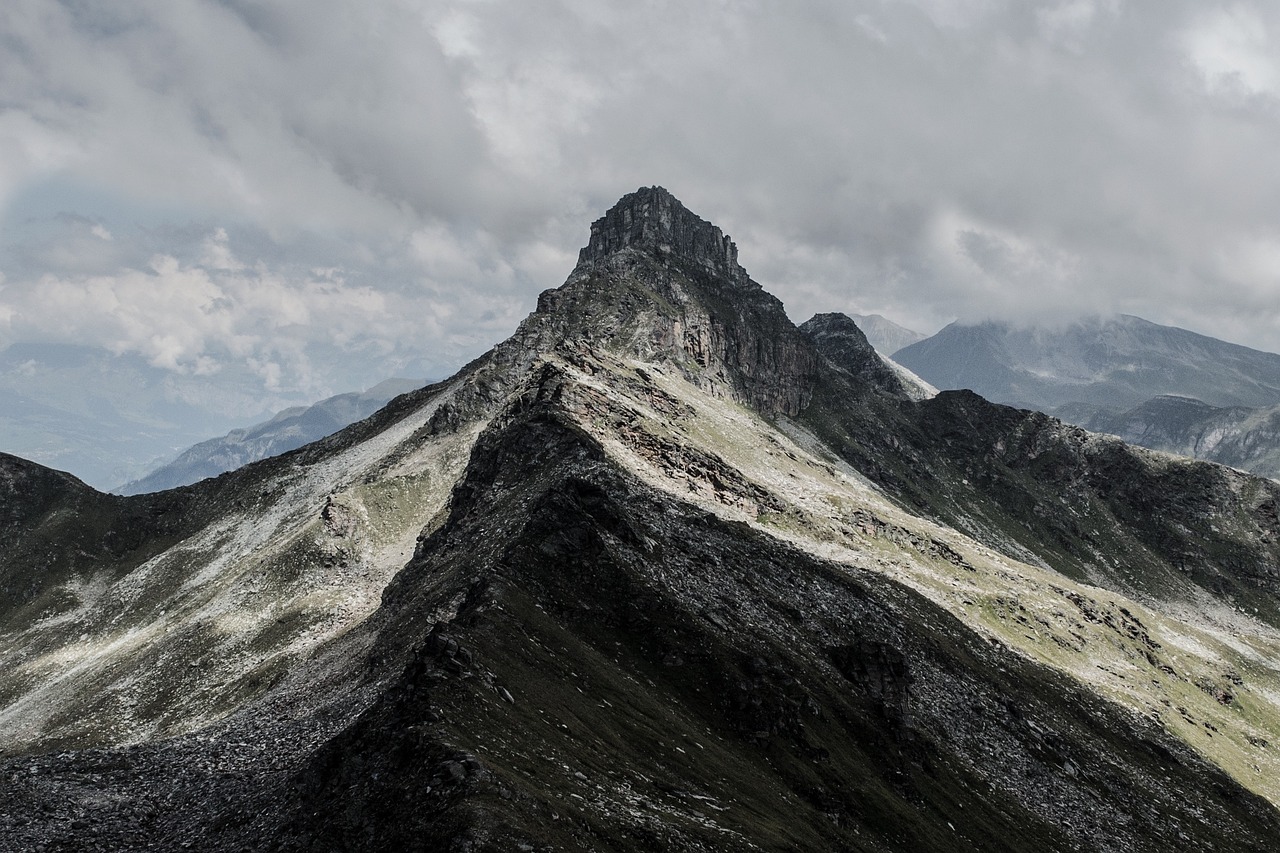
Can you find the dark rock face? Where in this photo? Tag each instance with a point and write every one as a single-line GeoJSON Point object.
{"type": "Point", "coordinates": [652, 220]}
{"type": "Point", "coordinates": [875, 722]}
{"type": "Point", "coordinates": [54, 528]}
{"type": "Point", "coordinates": [838, 338]}
{"type": "Point", "coordinates": [1041, 490]}
{"type": "Point", "coordinates": [665, 285]}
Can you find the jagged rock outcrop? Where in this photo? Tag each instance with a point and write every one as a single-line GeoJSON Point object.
{"type": "Point", "coordinates": [652, 220]}
{"type": "Point", "coordinates": [838, 338]}
{"type": "Point", "coordinates": [665, 285]}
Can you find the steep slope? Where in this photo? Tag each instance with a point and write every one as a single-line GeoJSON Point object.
{"type": "Point", "coordinates": [841, 340]}
{"type": "Point", "coordinates": [662, 571]}
{"type": "Point", "coordinates": [1118, 362]}
{"type": "Point", "coordinates": [286, 431]}
{"type": "Point", "coordinates": [884, 334]}
{"type": "Point", "coordinates": [631, 672]}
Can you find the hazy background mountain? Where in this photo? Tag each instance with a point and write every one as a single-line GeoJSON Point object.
{"type": "Point", "coordinates": [1117, 363]}
{"type": "Point", "coordinates": [1156, 386]}
{"type": "Point", "coordinates": [884, 334]}
{"type": "Point", "coordinates": [1241, 437]}
{"type": "Point", "coordinates": [289, 429]}
{"type": "Point", "coordinates": [110, 418]}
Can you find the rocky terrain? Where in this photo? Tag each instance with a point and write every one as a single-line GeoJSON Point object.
{"type": "Point", "coordinates": [843, 342]}
{"type": "Point", "coordinates": [1140, 381]}
{"type": "Point", "coordinates": [286, 431]}
{"type": "Point", "coordinates": [660, 572]}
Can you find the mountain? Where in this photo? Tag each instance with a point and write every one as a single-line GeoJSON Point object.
{"type": "Point", "coordinates": [285, 431]}
{"type": "Point", "coordinates": [662, 571]}
{"type": "Point", "coordinates": [842, 340]}
{"type": "Point", "coordinates": [1147, 384]}
{"type": "Point", "coordinates": [885, 335]}
{"type": "Point", "coordinates": [1243, 438]}
{"type": "Point", "coordinates": [1113, 363]}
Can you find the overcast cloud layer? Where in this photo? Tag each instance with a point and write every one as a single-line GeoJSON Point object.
{"type": "Point", "coordinates": [329, 192]}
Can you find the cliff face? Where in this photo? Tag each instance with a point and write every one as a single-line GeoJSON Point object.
{"type": "Point", "coordinates": [661, 571]}
{"type": "Point", "coordinates": [666, 285]}
{"type": "Point", "coordinates": [652, 220]}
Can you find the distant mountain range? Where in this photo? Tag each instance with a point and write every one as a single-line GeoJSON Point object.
{"type": "Point", "coordinates": [289, 429]}
{"type": "Point", "coordinates": [1157, 386]}
{"type": "Point", "coordinates": [109, 418]}
{"type": "Point", "coordinates": [885, 335]}
{"type": "Point", "coordinates": [1116, 363]}
{"type": "Point", "coordinates": [1241, 437]}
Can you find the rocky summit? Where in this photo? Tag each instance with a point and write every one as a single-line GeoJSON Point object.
{"type": "Point", "coordinates": [662, 571]}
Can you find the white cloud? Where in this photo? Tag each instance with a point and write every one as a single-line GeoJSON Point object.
{"type": "Point", "coordinates": [958, 13]}
{"type": "Point", "coordinates": [1249, 271]}
{"type": "Point", "coordinates": [456, 30]}
{"type": "Point", "coordinates": [217, 252]}
{"type": "Point", "coordinates": [1233, 48]}
{"type": "Point", "coordinates": [394, 180]}
{"type": "Point", "coordinates": [1073, 23]}
{"type": "Point", "coordinates": [1031, 277]}
{"type": "Point", "coordinates": [192, 319]}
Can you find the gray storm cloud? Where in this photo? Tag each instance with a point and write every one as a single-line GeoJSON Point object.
{"type": "Point", "coordinates": [397, 180]}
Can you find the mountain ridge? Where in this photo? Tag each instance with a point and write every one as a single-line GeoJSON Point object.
{"type": "Point", "coordinates": [1242, 437]}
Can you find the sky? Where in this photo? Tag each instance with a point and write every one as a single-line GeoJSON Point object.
{"type": "Point", "coordinates": [304, 197]}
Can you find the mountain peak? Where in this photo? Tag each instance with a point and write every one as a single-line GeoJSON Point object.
{"type": "Point", "coordinates": [653, 219]}
{"type": "Point", "coordinates": [838, 337]}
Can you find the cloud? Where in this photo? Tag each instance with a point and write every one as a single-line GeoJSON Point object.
{"type": "Point", "coordinates": [1234, 50]}
{"type": "Point", "coordinates": [301, 113]}
{"type": "Point", "coordinates": [389, 183]}
{"type": "Point", "coordinates": [285, 324]}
